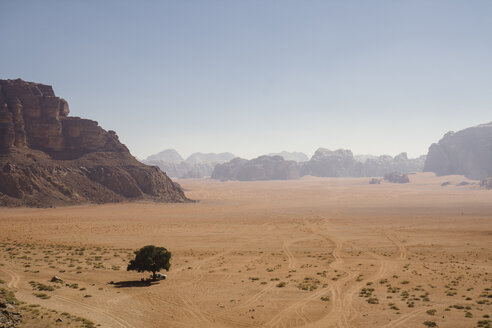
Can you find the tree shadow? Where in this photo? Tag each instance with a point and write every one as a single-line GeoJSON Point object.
{"type": "Point", "coordinates": [133, 283]}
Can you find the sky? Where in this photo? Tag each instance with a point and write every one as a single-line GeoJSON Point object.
{"type": "Point", "coordinates": [260, 76]}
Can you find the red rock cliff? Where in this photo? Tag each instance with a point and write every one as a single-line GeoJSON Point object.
{"type": "Point", "coordinates": [48, 158]}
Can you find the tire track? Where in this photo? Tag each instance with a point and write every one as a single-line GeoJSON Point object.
{"type": "Point", "coordinates": [404, 318]}
{"type": "Point", "coordinates": [290, 256]}
{"type": "Point", "coordinates": [333, 288]}
{"type": "Point", "coordinates": [402, 249]}
{"type": "Point", "coordinates": [14, 279]}
{"type": "Point", "coordinates": [121, 322]}
{"type": "Point", "coordinates": [248, 302]}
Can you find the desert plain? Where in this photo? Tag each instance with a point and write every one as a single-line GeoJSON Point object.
{"type": "Point", "coordinates": [314, 252]}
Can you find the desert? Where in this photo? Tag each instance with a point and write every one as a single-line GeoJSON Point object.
{"type": "Point", "coordinates": [223, 164]}
{"type": "Point", "coordinates": [313, 252]}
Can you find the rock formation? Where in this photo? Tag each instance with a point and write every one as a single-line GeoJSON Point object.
{"type": "Point", "coordinates": [48, 158]}
{"type": "Point", "coordinates": [261, 168]}
{"type": "Point", "coordinates": [342, 163]}
{"type": "Point", "coordinates": [384, 164]}
{"type": "Point", "coordinates": [328, 163]}
{"type": "Point", "coordinates": [184, 170]}
{"type": "Point", "coordinates": [467, 152]}
{"type": "Point", "coordinates": [292, 156]}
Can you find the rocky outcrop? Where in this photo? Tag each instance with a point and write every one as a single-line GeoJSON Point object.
{"type": "Point", "coordinates": [467, 152]}
{"type": "Point", "coordinates": [48, 158]}
{"type": "Point", "coordinates": [292, 156]}
{"type": "Point", "coordinates": [261, 168]}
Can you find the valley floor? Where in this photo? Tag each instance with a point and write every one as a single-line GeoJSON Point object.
{"type": "Point", "coordinates": [315, 252]}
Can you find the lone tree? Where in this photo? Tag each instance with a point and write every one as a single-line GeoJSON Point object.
{"type": "Point", "coordinates": [150, 258]}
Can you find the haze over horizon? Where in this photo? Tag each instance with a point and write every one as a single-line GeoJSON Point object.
{"type": "Point", "coordinates": [257, 77]}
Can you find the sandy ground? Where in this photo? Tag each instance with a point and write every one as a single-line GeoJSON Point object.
{"type": "Point", "coordinates": [316, 252]}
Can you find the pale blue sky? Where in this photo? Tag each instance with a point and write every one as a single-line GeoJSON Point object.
{"type": "Point", "coordinates": [253, 77]}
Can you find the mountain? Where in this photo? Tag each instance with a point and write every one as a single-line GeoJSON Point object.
{"type": "Point", "coordinates": [48, 158]}
{"type": "Point", "coordinates": [168, 155]}
{"type": "Point", "coordinates": [467, 152]}
{"type": "Point", "coordinates": [292, 156]}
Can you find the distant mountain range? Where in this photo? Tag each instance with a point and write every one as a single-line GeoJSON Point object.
{"type": "Point", "coordinates": [467, 152]}
{"type": "Point", "coordinates": [324, 163]}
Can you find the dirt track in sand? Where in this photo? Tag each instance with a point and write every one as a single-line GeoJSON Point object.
{"type": "Point", "coordinates": [349, 254]}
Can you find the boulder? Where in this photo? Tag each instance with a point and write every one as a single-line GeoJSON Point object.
{"type": "Point", "coordinates": [396, 177]}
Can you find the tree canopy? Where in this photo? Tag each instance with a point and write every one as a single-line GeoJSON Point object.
{"type": "Point", "coordinates": [150, 258]}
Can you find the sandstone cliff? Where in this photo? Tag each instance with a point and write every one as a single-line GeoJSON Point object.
{"type": "Point", "coordinates": [48, 158]}
{"type": "Point", "coordinates": [467, 152]}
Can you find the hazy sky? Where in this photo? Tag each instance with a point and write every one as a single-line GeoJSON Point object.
{"type": "Point", "coordinates": [253, 77]}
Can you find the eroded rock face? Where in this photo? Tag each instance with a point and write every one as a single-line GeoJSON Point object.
{"type": "Point", "coordinates": [48, 158]}
{"type": "Point", "coordinates": [261, 168]}
{"type": "Point", "coordinates": [467, 152]}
